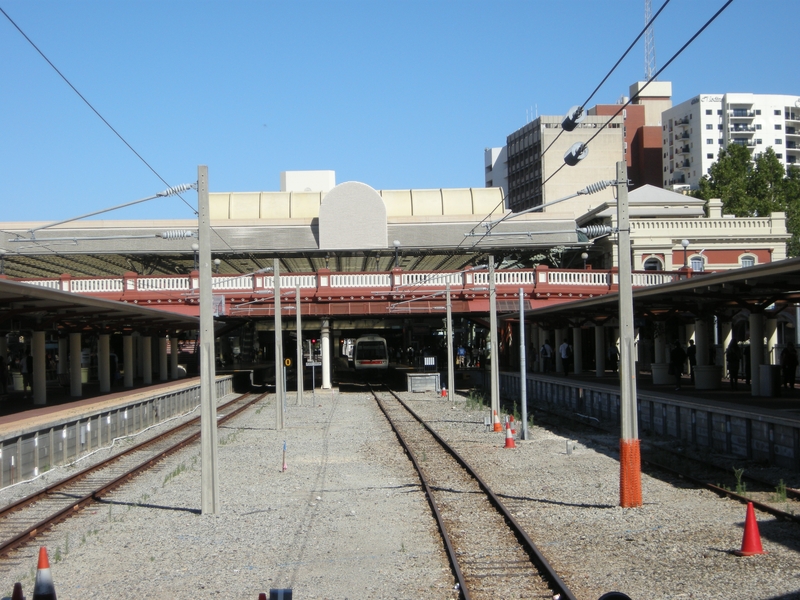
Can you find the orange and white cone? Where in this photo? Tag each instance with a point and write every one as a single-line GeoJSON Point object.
{"type": "Point", "coordinates": [751, 542]}
{"type": "Point", "coordinates": [44, 589]}
{"type": "Point", "coordinates": [513, 425]}
{"type": "Point", "coordinates": [444, 392]}
{"type": "Point", "coordinates": [509, 438]}
{"type": "Point", "coordinates": [497, 426]}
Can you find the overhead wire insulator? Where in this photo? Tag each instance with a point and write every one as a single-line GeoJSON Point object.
{"type": "Point", "coordinates": [176, 234]}
{"type": "Point", "coordinates": [598, 186]}
{"type": "Point", "coordinates": [593, 231]}
{"type": "Point", "coordinates": [184, 187]}
{"type": "Point", "coordinates": [576, 153]}
{"type": "Point", "coordinates": [575, 115]}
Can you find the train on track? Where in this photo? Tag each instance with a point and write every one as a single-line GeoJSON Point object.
{"type": "Point", "coordinates": [370, 353]}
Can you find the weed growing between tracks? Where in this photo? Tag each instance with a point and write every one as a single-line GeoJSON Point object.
{"type": "Point", "coordinates": [174, 473]}
{"type": "Point", "coordinates": [475, 400]}
{"type": "Point", "coordinates": [780, 492]}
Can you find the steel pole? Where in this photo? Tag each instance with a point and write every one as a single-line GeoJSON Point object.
{"type": "Point", "coordinates": [523, 367]}
{"type": "Point", "coordinates": [279, 395]}
{"type": "Point", "coordinates": [210, 503]}
{"type": "Point", "coordinates": [451, 376]}
{"type": "Point", "coordinates": [630, 457]}
{"type": "Point", "coordinates": [299, 336]}
{"type": "Point", "coordinates": [493, 362]}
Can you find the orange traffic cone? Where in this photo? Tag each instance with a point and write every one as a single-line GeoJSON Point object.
{"type": "Point", "coordinates": [17, 595]}
{"type": "Point", "coordinates": [262, 596]}
{"type": "Point", "coordinates": [509, 438]}
{"type": "Point", "coordinates": [444, 392]}
{"type": "Point", "coordinates": [513, 425]}
{"type": "Point", "coordinates": [44, 589]}
{"type": "Point", "coordinates": [751, 542]}
{"type": "Point", "coordinates": [497, 426]}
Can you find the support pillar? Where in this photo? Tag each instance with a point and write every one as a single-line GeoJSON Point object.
{"type": "Point", "coordinates": [756, 351]}
{"type": "Point", "coordinates": [39, 376]}
{"type": "Point", "coordinates": [127, 361]}
{"type": "Point", "coordinates": [63, 353]}
{"type": "Point", "coordinates": [701, 341]}
{"type": "Point", "coordinates": [561, 335]}
{"type": "Point", "coordinates": [173, 357]}
{"type": "Point", "coordinates": [599, 351]}
{"type": "Point", "coordinates": [577, 350]}
{"type": "Point", "coordinates": [75, 385]}
{"type": "Point", "coordinates": [104, 362]}
{"type": "Point", "coordinates": [162, 358]}
{"type": "Point", "coordinates": [325, 347]}
{"type": "Point", "coordinates": [727, 338]}
{"type": "Point", "coordinates": [147, 359]}
{"type": "Point", "coordinates": [772, 354]}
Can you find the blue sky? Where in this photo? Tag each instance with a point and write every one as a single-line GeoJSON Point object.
{"type": "Point", "coordinates": [396, 94]}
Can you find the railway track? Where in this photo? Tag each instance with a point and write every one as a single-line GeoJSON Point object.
{"type": "Point", "coordinates": [23, 520]}
{"type": "Point", "coordinates": [490, 554]}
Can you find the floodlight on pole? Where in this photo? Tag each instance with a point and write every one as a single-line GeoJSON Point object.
{"type": "Point", "coordinates": [396, 245]}
{"type": "Point", "coordinates": [195, 249]}
{"type": "Point", "coordinates": [584, 256]}
{"type": "Point", "coordinates": [217, 263]}
{"type": "Point", "coordinates": [685, 244]}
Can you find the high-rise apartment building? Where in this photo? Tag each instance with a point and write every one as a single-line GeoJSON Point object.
{"type": "Point", "coordinates": [694, 132]}
{"type": "Point", "coordinates": [536, 152]}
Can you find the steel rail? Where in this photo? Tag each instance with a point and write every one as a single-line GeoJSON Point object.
{"type": "Point", "coordinates": [18, 540]}
{"type": "Point", "coordinates": [546, 569]}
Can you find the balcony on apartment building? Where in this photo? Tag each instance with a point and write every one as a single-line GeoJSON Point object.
{"type": "Point", "coordinates": [744, 142]}
{"type": "Point", "coordinates": [742, 128]}
{"type": "Point", "coordinates": [683, 150]}
{"type": "Point", "coordinates": [741, 113]}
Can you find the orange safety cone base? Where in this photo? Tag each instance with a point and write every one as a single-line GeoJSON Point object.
{"type": "Point", "coordinates": [751, 541]}
{"type": "Point", "coordinates": [630, 474]}
{"type": "Point", "coordinates": [513, 425]}
{"type": "Point", "coordinates": [497, 426]}
{"type": "Point", "coordinates": [509, 439]}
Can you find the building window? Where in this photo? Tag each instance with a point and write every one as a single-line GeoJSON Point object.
{"type": "Point", "coordinates": [777, 112]}
{"type": "Point", "coordinates": [758, 126]}
{"type": "Point", "coordinates": [719, 111]}
{"type": "Point", "coordinates": [708, 111]}
{"type": "Point", "coordinates": [697, 263]}
{"type": "Point", "coordinates": [652, 264]}
{"type": "Point", "coordinates": [747, 261]}
{"type": "Point", "coordinates": [758, 111]}
{"type": "Point", "coordinates": [778, 127]}
{"type": "Point", "coordinates": [719, 126]}
{"type": "Point", "coordinates": [710, 156]}
{"type": "Point", "coordinates": [778, 142]}
{"type": "Point", "coordinates": [779, 156]}
{"type": "Point", "coordinates": [709, 126]}
{"type": "Point", "coordinates": [758, 141]}
{"type": "Point", "coordinates": [709, 141]}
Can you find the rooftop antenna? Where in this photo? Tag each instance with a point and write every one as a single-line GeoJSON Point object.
{"type": "Point", "coordinates": [649, 43]}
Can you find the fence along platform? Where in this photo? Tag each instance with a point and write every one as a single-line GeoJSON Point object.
{"type": "Point", "coordinates": [33, 445]}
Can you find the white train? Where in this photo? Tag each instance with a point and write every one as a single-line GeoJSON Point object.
{"type": "Point", "coordinates": [370, 352]}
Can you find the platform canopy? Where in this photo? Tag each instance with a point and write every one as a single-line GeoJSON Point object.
{"type": "Point", "coordinates": [25, 307]}
{"type": "Point", "coordinates": [770, 289]}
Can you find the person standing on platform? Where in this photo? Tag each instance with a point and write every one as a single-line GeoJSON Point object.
{"type": "Point", "coordinates": [547, 356]}
{"type": "Point", "coordinates": [461, 354]}
{"type": "Point", "coordinates": [691, 354]}
{"type": "Point", "coordinates": [566, 353]}
{"type": "Point", "coordinates": [789, 365]}
{"type": "Point", "coordinates": [732, 356]}
{"type": "Point", "coordinates": [612, 356]}
{"type": "Point", "coordinates": [677, 358]}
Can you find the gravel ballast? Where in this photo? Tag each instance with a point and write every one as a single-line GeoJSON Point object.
{"type": "Point", "coordinates": [347, 519]}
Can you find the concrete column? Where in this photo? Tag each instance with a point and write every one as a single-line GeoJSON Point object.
{"type": "Point", "coordinates": [127, 360]}
{"type": "Point", "coordinates": [702, 341]}
{"type": "Point", "coordinates": [147, 359]}
{"type": "Point", "coordinates": [104, 362]}
{"type": "Point", "coordinates": [599, 351]}
{"type": "Point", "coordinates": [162, 358]}
{"type": "Point", "coordinates": [137, 344]}
{"type": "Point", "coordinates": [756, 351]}
{"type": "Point", "coordinates": [727, 338]}
{"type": "Point", "coordinates": [75, 385]}
{"type": "Point", "coordinates": [577, 350]}
{"type": "Point", "coordinates": [39, 369]}
{"type": "Point", "coordinates": [660, 343]}
{"type": "Point", "coordinates": [173, 357]}
{"type": "Point", "coordinates": [325, 343]}
{"type": "Point", "coordinates": [561, 335]}
{"type": "Point", "coordinates": [63, 354]}
{"type": "Point", "coordinates": [772, 355]}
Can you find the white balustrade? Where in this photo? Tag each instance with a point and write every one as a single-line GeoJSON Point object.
{"type": "Point", "coordinates": [358, 280]}
{"type": "Point", "coordinates": [582, 278]}
{"type": "Point", "coordinates": [432, 279]}
{"type": "Point", "coordinates": [652, 278]}
{"type": "Point", "coordinates": [289, 281]}
{"type": "Point", "coordinates": [176, 284]}
{"type": "Point", "coordinates": [89, 286]}
{"type": "Point", "coordinates": [51, 284]}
